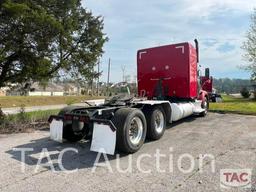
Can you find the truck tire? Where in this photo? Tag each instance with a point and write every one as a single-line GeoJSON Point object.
{"type": "Point", "coordinates": [131, 129]}
{"type": "Point", "coordinates": [205, 105]}
{"type": "Point", "coordinates": [156, 121]}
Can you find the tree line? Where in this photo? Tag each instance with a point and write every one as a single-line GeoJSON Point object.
{"type": "Point", "coordinates": [226, 85]}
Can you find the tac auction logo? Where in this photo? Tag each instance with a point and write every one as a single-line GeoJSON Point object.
{"type": "Point", "coordinates": [235, 178]}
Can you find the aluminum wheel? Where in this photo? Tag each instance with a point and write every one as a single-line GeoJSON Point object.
{"type": "Point", "coordinates": [136, 130]}
{"type": "Point", "coordinates": [205, 105]}
{"type": "Point", "coordinates": [159, 121]}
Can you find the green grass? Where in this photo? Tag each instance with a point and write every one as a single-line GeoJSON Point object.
{"type": "Point", "coordinates": [25, 121]}
{"type": "Point", "coordinates": [31, 116]}
{"type": "Point", "coordinates": [18, 101]}
{"type": "Point", "coordinates": [231, 104]}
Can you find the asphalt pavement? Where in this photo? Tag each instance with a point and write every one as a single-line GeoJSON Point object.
{"type": "Point", "coordinates": [227, 140]}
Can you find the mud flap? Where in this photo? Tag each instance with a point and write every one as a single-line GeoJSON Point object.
{"type": "Point", "coordinates": [103, 139]}
{"type": "Point", "coordinates": [56, 130]}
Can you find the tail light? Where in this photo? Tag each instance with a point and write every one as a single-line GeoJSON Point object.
{"type": "Point", "coordinates": [68, 117]}
{"type": "Point", "coordinates": [84, 119]}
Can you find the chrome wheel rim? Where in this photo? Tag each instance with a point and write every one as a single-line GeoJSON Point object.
{"type": "Point", "coordinates": [136, 130]}
{"type": "Point", "coordinates": [205, 106]}
{"type": "Point", "coordinates": [159, 121]}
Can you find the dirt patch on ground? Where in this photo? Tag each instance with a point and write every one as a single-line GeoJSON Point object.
{"type": "Point", "coordinates": [25, 122]}
{"type": "Point", "coordinates": [25, 127]}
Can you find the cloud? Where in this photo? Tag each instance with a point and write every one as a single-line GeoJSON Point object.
{"type": "Point", "coordinates": [208, 7]}
{"type": "Point", "coordinates": [131, 25]}
{"type": "Point", "coordinates": [226, 47]}
{"type": "Point", "coordinates": [209, 42]}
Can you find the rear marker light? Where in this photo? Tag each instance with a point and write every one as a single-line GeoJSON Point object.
{"type": "Point", "coordinates": [84, 119]}
{"type": "Point", "coordinates": [68, 117]}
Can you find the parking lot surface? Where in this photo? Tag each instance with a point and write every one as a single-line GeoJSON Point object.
{"type": "Point", "coordinates": [229, 139]}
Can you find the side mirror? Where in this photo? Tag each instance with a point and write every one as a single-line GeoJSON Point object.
{"type": "Point", "coordinates": [198, 73]}
{"type": "Point", "coordinates": [207, 73]}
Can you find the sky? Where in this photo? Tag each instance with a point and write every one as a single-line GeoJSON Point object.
{"type": "Point", "coordinates": [219, 25]}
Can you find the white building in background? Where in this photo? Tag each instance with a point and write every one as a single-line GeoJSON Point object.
{"type": "Point", "coordinates": [36, 89]}
{"type": "Point", "coordinates": [4, 90]}
{"type": "Point", "coordinates": [71, 89]}
{"type": "Point", "coordinates": [52, 89]}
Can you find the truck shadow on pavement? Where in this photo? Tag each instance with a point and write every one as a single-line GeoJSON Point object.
{"type": "Point", "coordinates": [71, 160]}
{"type": "Point", "coordinates": [81, 159]}
{"type": "Point", "coordinates": [185, 120]}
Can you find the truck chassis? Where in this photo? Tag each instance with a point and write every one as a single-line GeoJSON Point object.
{"type": "Point", "coordinates": [121, 124]}
{"type": "Point", "coordinates": [167, 77]}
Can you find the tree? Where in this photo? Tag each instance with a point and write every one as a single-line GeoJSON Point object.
{"type": "Point", "coordinates": [228, 86]}
{"type": "Point", "coordinates": [38, 39]}
{"type": "Point", "coordinates": [250, 47]}
{"type": "Point", "coordinates": [26, 32]}
{"type": "Point", "coordinates": [245, 92]}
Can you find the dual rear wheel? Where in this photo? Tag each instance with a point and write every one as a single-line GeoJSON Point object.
{"type": "Point", "coordinates": [133, 127]}
{"type": "Point", "coordinates": [156, 119]}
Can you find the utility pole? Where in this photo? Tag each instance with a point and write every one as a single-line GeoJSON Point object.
{"type": "Point", "coordinates": [98, 80]}
{"type": "Point", "coordinates": [92, 86]}
{"type": "Point", "coordinates": [109, 63]}
{"type": "Point", "coordinates": [123, 70]}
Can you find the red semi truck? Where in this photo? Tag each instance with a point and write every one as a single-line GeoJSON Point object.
{"type": "Point", "coordinates": [168, 89]}
{"type": "Point", "coordinates": [207, 85]}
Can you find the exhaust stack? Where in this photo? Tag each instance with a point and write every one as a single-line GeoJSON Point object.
{"type": "Point", "coordinates": [197, 50]}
